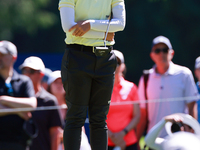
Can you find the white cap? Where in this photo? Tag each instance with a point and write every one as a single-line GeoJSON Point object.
{"type": "Point", "coordinates": [188, 120]}
{"type": "Point", "coordinates": [33, 62]}
{"type": "Point", "coordinates": [197, 63]}
{"type": "Point", "coordinates": [181, 141]}
{"type": "Point", "coordinates": [53, 76]}
{"type": "Point", "coordinates": [119, 55]}
{"type": "Point", "coordinates": [7, 47]}
{"type": "Point", "coordinates": [162, 39]}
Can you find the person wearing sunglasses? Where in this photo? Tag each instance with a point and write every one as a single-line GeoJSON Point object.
{"type": "Point", "coordinates": [166, 80]}
{"type": "Point", "coordinates": [48, 122]}
{"type": "Point", "coordinates": [16, 91]}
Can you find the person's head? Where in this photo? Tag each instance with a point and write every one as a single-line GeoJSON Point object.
{"type": "Point", "coordinates": [8, 55]}
{"type": "Point", "coordinates": [179, 126]}
{"type": "Point", "coordinates": [197, 68]}
{"type": "Point", "coordinates": [34, 68]}
{"type": "Point", "coordinates": [55, 83]}
{"type": "Point", "coordinates": [161, 50]}
{"type": "Point", "coordinates": [181, 122]}
{"type": "Point", "coordinates": [121, 67]}
{"type": "Point", "coordinates": [47, 73]}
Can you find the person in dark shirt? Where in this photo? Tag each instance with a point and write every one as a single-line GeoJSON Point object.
{"type": "Point", "coordinates": [48, 121]}
{"type": "Point", "coordinates": [16, 91]}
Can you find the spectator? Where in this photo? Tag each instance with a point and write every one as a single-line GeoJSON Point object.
{"type": "Point", "coordinates": [123, 118]}
{"type": "Point", "coordinates": [88, 66]}
{"type": "Point", "coordinates": [179, 140]}
{"type": "Point", "coordinates": [44, 83]}
{"type": "Point", "coordinates": [197, 75]}
{"type": "Point", "coordinates": [16, 91]}
{"type": "Point", "coordinates": [56, 88]}
{"type": "Point", "coordinates": [166, 80]}
{"type": "Point", "coordinates": [48, 121]}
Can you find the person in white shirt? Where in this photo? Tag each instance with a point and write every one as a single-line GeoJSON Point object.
{"type": "Point", "coordinates": [166, 81]}
{"type": "Point", "coordinates": [187, 138]}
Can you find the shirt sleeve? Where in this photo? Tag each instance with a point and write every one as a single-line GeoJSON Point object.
{"type": "Point", "coordinates": [117, 23]}
{"type": "Point", "coordinates": [190, 87]}
{"type": "Point", "coordinates": [152, 136]}
{"type": "Point", "coordinates": [134, 93]}
{"type": "Point", "coordinates": [67, 21]}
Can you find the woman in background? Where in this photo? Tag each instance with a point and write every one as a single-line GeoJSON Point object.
{"type": "Point", "coordinates": [122, 118]}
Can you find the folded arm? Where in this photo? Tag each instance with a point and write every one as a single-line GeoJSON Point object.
{"type": "Point", "coordinates": [15, 102]}
{"type": "Point", "coordinates": [92, 28]}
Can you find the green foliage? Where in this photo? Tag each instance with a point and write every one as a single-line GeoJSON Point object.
{"type": "Point", "coordinates": [24, 16]}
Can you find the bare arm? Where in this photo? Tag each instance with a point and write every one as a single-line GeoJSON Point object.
{"type": "Point", "coordinates": [142, 123]}
{"type": "Point", "coordinates": [15, 102]}
{"type": "Point", "coordinates": [55, 137]}
{"type": "Point", "coordinates": [192, 108]}
{"type": "Point", "coordinates": [24, 115]}
{"type": "Point", "coordinates": [118, 137]}
{"type": "Point", "coordinates": [136, 119]}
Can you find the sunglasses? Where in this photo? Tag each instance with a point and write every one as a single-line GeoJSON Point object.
{"type": "Point", "coordinates": [29, 71]}
{"type": "Point", "coordinates": [158, 50]}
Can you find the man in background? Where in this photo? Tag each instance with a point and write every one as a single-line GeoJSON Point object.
{"type": "Point", "coordinates": [165, 80]}
{"type": "Point", "coordinates": [16, 91]}
{"type": "Point", "coordinates": [47, 121]}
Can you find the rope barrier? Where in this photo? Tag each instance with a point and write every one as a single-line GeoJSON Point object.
{"type": "Point", "coordinates": [113, 103]}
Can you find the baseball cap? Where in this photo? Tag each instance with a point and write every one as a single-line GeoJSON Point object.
{"type": "Point", "coordinates": [197, 63]}
{"type": "Point", "coordinates": [33, 62]}
{"type": "Point", "coordinates": [7, 47]}
{"type": "Point", "coordinates": [53, 76]}
{"type": "Point", "coordinates": [119, 55]}
{"type": "Point", "coordinates": [162, 39]}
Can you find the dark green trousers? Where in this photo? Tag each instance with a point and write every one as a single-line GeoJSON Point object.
{"type": "Point", "coordinates": [88, 81]}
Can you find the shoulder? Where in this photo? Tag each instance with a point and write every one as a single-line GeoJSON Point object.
{"type": "Point", "coordinates": [20, 79]}
{"type": "Point", "coordinates": [47, 97]}
{"type": "Point", "coordinates": [129, 84]}
{"type": "Point", "coordinates": [181, 69]}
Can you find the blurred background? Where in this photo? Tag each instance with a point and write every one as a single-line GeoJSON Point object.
{"type": "Point", "coordinates": [34, 27]}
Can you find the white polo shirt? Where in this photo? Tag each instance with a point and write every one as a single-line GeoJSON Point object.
{"type": "Point", "coordinates": [177, 82]}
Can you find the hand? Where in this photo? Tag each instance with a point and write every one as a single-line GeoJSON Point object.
{"type": "Point", "coordinates": [25, 115]}
{"type": "Point", "coordinates": [173, 118]}
{"type": "Point", "coordinates": [110, 36]}
{"type": "Point", "coordinates": [118, 139]}
{"type": "Point", "coordinates": [80, 28]}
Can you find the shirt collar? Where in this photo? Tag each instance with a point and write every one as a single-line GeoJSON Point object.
{"type": "Point", "coordinates": [120, 84]}
{"type": "Point", "coordinates": [171, 70]}
{"type": "Point", "coordinates": [15, 75]}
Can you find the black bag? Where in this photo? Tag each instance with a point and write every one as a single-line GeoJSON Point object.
{"type": "Point", "coordinates": [30, 131]}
